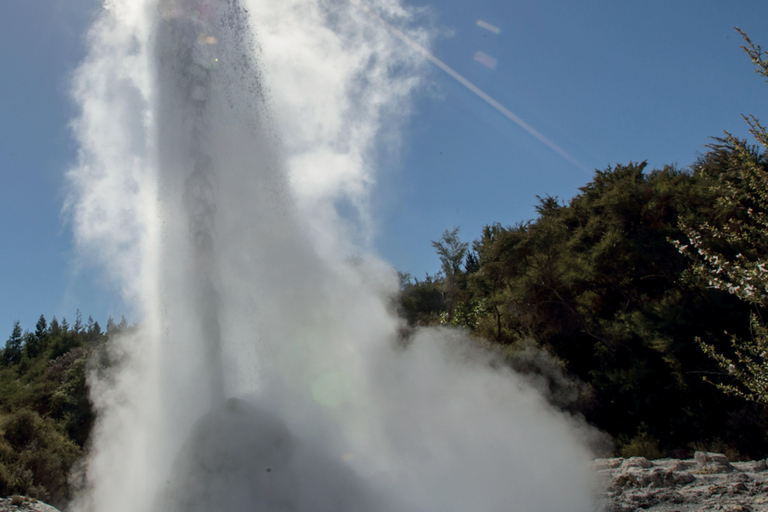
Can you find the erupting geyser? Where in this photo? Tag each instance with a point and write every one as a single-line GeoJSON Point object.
{"type": "Point", "coordinates": [264, 374]}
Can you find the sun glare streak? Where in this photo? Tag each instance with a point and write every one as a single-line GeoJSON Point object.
{"type": "Point", "coordinates": [472, 87]}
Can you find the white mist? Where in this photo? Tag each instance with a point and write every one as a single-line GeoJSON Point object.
{"type": "Point", "coordinates": [265, 373]}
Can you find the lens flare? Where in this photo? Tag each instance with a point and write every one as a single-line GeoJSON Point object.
{"type": "Point", "coordinates": [489, 27]}
{"type": "Point", "coordinates": [485, 59]}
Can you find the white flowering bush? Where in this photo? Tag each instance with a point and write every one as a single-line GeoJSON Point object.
{"type": "Point", "coordinates": [730, 251]}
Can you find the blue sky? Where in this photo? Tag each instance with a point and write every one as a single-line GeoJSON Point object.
{"type": "Point", "coordinates": [608, 82]}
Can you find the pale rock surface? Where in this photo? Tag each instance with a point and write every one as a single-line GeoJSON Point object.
{"type": "Point", "coordinates": [26, 505]}
{"type": "Point", "coordinates": [708, 482]}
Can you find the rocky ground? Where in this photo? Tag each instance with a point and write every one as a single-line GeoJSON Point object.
{"type": "Point", "coordinates": [707, 482]}
{"type": "Point", "coordinates": [22, 504]}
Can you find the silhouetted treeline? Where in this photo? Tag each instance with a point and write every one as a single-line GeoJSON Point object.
{"type": "Point", "coordinates": [45, 413]}
{"type": "Point", "coordinates": [598, 285]}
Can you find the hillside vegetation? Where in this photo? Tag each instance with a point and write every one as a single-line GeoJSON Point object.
{"type": "Point", "coordinates": [648, 289]}
{"type": "Point", "coordinates": [45, 413]}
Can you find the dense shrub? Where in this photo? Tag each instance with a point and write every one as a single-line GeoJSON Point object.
{"type": "Point", "coordinates": [35, 457]}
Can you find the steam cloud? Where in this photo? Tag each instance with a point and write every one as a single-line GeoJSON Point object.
{"type": "Point", "coordinates": [264, 373]}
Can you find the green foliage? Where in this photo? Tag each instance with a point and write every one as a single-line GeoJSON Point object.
{"type": "Point", "coordinates": [451, 251]}
{"type": "Point", "coordinates": [642, 445]}
{"type": "Point", "coordinates": [41, 328]}
{"type": "Point", "coordinates": [595, 284]}
{"type": "Point", "coordinates": [472, 264]}
{"type": "Point", "coordinates": [78, 327]}
{"type": "Point", "coordinates": [45, 414]}
{"type": "Point", "coordinates": [718, 446]}
{"type": "Point", "coordinates": [35, 457]}
{"type": "Point", "coordinates": [37, 343]}
{"type": "Point", "coordinates": [55, 328]}
{"type": "Point", "coordinates": [421, 302]}
{"type": "Point", "coordinates": [730, 248]}
{"type": "Point", "coordinates": [13, 347]}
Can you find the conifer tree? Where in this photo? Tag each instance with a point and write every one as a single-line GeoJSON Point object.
{"type": "Point", "coordinates": [472, 264]}
{"type": "Point", "coordinates": [111, 326]}
{"type": "Point", "coordinates": [13, 346]}
{"type": "Point", "coordinates": [78, 327]}
{"type": "Point", "coordinates": [36, 343]}
{"type": "Point", "coordinates": [54, 329]}
{"type": "Point", "coordinates": [41, 327]}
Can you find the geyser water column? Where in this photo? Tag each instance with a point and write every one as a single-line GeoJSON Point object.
{"type": "Point", "coordinates": [264, 374]}
{"type": "Point", "coordinates": [190, 39]}
{"type": "Point", "coordinates": [230, 252]}
{"type": "Point", "coordinates": [213, 135]}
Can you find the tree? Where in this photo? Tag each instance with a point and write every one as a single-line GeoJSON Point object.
{"type": "Point", "coordinates": [451, 251]}
{"type": "Point", "coordinates": [41, 327]}
{"type": "Point", "coordinates": [54, 329]}
{"type": "Point", "coordinates": [472, 264]}
{"type": "Point", "coordinates": [13, 347]}
{"type": "Point", "coordinates": [421, 301]}
{"type": "Point", "coordinates": [78, 327]}
{"type": "Point", "coordinates": [730, 250]}
{"type": "Point", "coordinates": [93, 330]}
{"type": "Point", "coordinates": [36, 343]}
{"type": "Point", "coordinates": [595, 283]}
{"type": "Point", "coordinates": [111, 326]}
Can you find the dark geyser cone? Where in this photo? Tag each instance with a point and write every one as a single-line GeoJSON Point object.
{"type": "Point", "coordinates": [238, 459]}
{"type": "Point", "coordinates": [241, 458]}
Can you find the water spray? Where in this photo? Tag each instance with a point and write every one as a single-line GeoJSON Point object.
{"type": "Point", "coordinates": [265, 373]}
